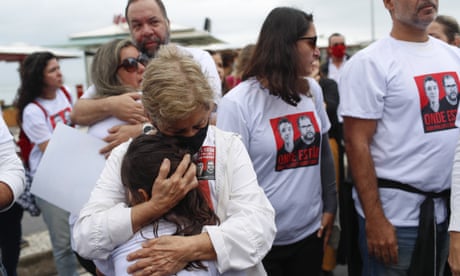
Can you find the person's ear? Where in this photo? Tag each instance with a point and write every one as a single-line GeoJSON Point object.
{"type": "Point", "coordinates": [389, 5]}
{"type": "Point", "coordinates": [457, 40]}
{"type": "Point", "coordinates": [144, 195]}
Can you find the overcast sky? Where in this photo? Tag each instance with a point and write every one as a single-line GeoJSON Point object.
{"type": "Point", "coordinates": [50, 22]}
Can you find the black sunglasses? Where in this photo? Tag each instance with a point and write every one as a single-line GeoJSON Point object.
{"type": "Point", "coordinates": [131, 64]}
{"type": "Point", "coordinates": [311, 40]}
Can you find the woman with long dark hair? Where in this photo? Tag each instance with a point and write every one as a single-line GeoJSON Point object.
{"type": "Point", "coordinates": [276, 102]}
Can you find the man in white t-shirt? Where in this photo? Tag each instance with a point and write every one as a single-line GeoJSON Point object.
{"type": "Point", "coordinates": [398, 156]}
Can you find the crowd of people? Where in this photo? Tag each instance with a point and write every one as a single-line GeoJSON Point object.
{"type": "Point", "coordinates": [284, 166]}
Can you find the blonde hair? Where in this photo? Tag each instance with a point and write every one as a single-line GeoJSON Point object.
{"type": "Point", "coordinates": [174, 87]}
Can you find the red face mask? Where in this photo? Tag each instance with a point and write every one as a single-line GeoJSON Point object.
{"type": "Point", "coordinates": [338, 50]}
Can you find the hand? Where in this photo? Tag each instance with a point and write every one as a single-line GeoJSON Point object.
{"type": "Point", "coordinates": [167, 192]}
{"type": "Point", "coordinates": [118, 135]}
{"type": "Point", "coordinates": [6, 195]}
{"type": "Point", "coordinates": [127, 108]}
{"type": "Point", "coordinates": [454, 253]}
{"type": "Point", "coordinates": [327, 222]}
{"type": "Point", "coordinates": [165, 255]}
{"type": "Point", "coordinates": [381, 240]}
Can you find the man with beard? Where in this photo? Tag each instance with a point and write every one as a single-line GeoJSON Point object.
{"type": "Point", "coordinates": [149, 27]}
{"type": "Point", "coordinates": [401, 179]}
{"type": "Point", "coordinates": [307, 133]}
{"type": "Point", "coordinates": [450, 101]}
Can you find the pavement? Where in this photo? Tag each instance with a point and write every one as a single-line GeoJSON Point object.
{"type": "Point", "coordinates": [36, 259]}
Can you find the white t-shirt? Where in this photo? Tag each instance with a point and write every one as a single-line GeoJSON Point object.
{"type": "Point", "coordinates": [117, 264]}
{"type": "Point", "coordinates": [209, 69]}
{"type": "Point", "coordinates": [291, 180]}
{"type": "Point", "coordinates": [334, 71]}
{"type": "Point", "coordinates": [455, 198]}
{"type": "Point", "coordinates": [385, 82]}
{"type": "Point", "coordinates": [39, 127]}
{"type": "Point", "coordinates": [11, 168]}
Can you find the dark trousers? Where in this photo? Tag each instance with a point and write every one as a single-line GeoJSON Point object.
{"type": "Point", "coordinates": [10, 237]}
{"type": "Point", "coordinates": [304, 257]}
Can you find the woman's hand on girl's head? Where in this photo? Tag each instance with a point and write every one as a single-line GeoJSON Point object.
{"type": "Point", "coordinates": [167, 192]}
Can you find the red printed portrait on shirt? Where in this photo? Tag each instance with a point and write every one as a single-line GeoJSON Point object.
{"type": "Point", "coordinates": [439, 98]}
{"type": "Point", "coordinates": [206, 170]}
{"type": "Point", "coordinates": [62, 116]}
{"type": "Point", "coordinates": [297, 139]}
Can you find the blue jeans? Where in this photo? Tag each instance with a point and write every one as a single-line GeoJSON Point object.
{"type": "Point", "coordinates": [406, 237]}
{"type": "Point", "coordinates": [57, 221]}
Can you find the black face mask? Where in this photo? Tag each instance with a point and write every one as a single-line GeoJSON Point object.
{"type": "Point", "coordinates": [192, 143]}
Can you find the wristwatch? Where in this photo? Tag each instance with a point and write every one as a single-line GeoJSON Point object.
{"type": "Point", "coordinates": [147, 128]}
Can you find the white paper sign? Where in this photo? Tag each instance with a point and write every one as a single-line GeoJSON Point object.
{"type": "Point", "coordinates": [69, 169]}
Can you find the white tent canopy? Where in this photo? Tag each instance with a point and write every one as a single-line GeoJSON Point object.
{"type": "Point", "coordinates": [89, 41]}
{"type": "Point", "coordinates": [121, 29]}
{"type": "Point", "coordinates": [18, 51]}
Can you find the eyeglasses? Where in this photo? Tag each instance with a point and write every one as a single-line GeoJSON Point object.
{"type": "Point", "coordinates": [131, 64]}
{"type": "Point", "coordinates": [311, 40]}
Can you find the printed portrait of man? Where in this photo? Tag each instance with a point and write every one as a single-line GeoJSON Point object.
{"type": "Point", "coordinates": [451, 89]}
{"type": "Point", "coordinates": [306, 129]}
{"type": "Point", "coordinates": [286, 132]}
{"type": "Point", "coordinates": [431, 88]}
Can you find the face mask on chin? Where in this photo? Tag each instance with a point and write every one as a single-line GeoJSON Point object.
{"type": "Point", "coordinates": [338, 51]}
{"type": "Point", "coordinates": [192, 143]}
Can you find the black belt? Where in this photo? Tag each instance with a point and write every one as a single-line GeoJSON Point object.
{"type": "Point", "coordinates": [425, 245]}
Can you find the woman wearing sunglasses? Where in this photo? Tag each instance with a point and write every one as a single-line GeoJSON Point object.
{"type": "Point", "coordinates": [277, 97]}
{"type": "Point", "coordinates": [117, 69]}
